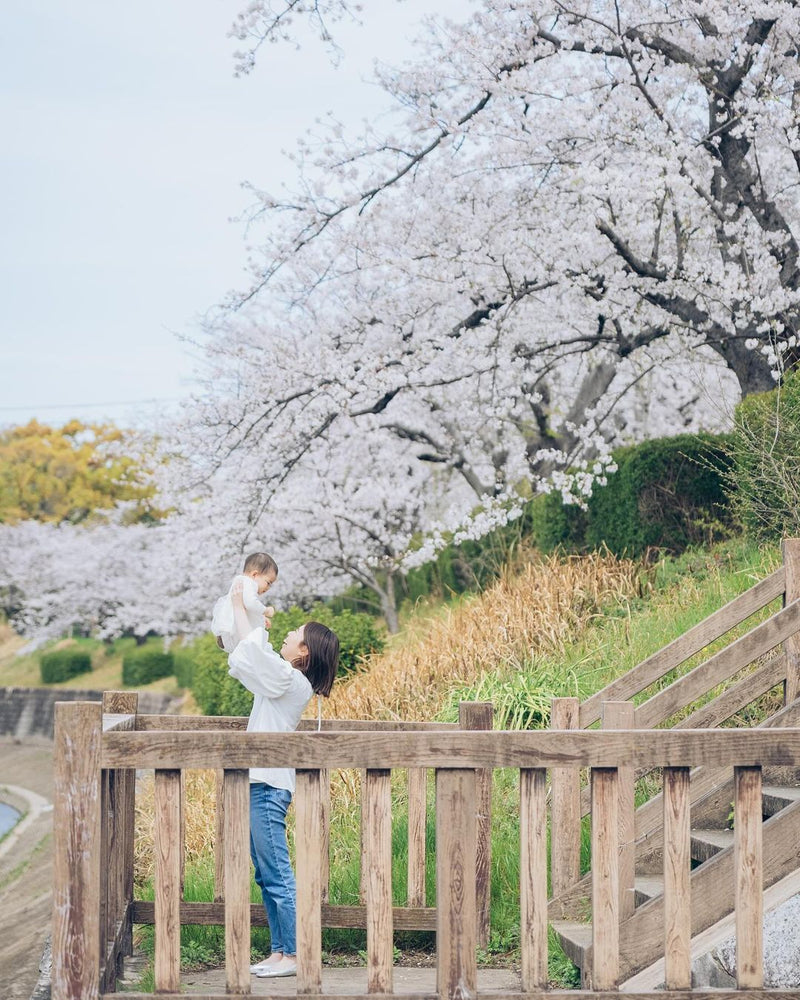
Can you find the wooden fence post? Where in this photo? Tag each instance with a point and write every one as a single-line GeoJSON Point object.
{"type": "Point", "coordinates": [790, 548]}
{"type": "Point", "coordinates": [76, 851]}
{"type": "Point", "coordinates": [377, 805]}
{"type": "Point", "coordinates": [533, 877]}
{"type": "Point", "coordinates": [308, 809]}
{"type": "Point", "coordinates": [474, 715]}
{"type": "Point", "coordinates": [456, 924]}
{"type": "Point", "coordinates": [417, 830]}
{"type": "Point", "coordinates": [565, 829]}
{"type": "Point", "coordinates": [122, 817]}
{"type": "Point", "coordinates": [749, 867]}
{"type": "Point", "coordinates": [677, 892]}
{"type": "Point", "coordinates": [605, 879]}
{"type": "Point", "coordinates": [236, 791]}
{"type": "Point", "coordinates": [620, 715]}
{"type": "Point", "coordinates": [167, 850]}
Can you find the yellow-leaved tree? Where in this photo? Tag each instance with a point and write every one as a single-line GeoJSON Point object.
{"type": "Point", "coordinates": [71, 473]}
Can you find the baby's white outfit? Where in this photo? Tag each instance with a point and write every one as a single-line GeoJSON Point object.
{"type": "Point", "coordinates": [222, 620]}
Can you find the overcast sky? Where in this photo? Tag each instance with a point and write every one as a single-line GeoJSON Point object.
{"type": "Point", "coordinates": [125, 140]}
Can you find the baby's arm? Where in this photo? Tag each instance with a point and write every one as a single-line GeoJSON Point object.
{"type": "Point", "coordinates": [240, 620]}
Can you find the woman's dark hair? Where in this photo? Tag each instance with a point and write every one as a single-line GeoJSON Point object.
{"type": "Point", "coordinates": [322, 660]}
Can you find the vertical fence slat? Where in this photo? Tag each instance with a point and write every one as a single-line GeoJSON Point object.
{"type": "Point", "coordinates": [456, 924]}
{"type": "Point", "coordinates": [479, 715]}
{"type": "Point", "coordinates": [605, 878]}
{"type": "Point", "coordinates": [417, 823]}
{"type": "Point", "coordinates": [677, 865]}
{"type": "Point", "coordinates": [378, 829]}
{"type": "Point", "coordinates": [76, 858]}
{"type": "Point", "coordinates": [620, 715]}
{"type": "Point", "coordinates": [309, 883]}
{"type": "Point", "coordinates": [748, 863]}
{"type": "Point", "coordinates": [791, 561]}
{"type": "Point", "coordinates": [106, 880]}
{"type": "Point", "coordinates": [533, 877]}
{"type": "Point", "coordinates": [123, 814]}
{"type": "Point", "coordinates": [325, 831]}
{"type": "Point", "coordinates": [236, 792]}
{"type": "Point", "coordinates": [219, 838]}
{"type": "Point", "coordinates": [565, 834]}
{"type": "Point", "coordinates": [362, 884]}
{"type": "Point", "coordinates": [167, 809]}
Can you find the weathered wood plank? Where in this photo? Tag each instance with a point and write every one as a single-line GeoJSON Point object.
{"type": "Point", "coordinates": [605, 878]}
{"type": "Point", "coordinates": [719, 667]}
{"type": "Point", "coordinates": [737, 696]}
{"type": "Point", "coordinates": [219, 837]}
{"type": "Point", "coordinates": [533, 877]}
{"type": "Point", "coordinates": [749, 867]}
{"type": "Point", "coordinates": [417, 828]}
{"type": "Point", "coordinates": [205, 723]}
{"type": "Point", "coordinates": [236, 792]}
{"type": "Point", "coordinates": [479, 715]}
{"type": "Point", "coordinates": [790, 548]}
{"type": "Point", "coordinates": [309, 883]}
{"type": "Point", "coordinates": [377, 799]}
{"type": "Point", "coordinates": [657, 748]}
{"type": "Point", "coordinates": [167, 960]}
{"type": "Point", "coordinates": [711, 994]}
{"type": "Point", "coordinates": [456, 965]}
{"type": "Point", "coordinates": [403, 918]}
{"type": "Point", "coordinates": [76, 859]}
{"type": "Point", "coordinates": [325, 831]}
{"type": "Point", "coordinates": [619, 715]}
{"type": "Point", "coordinates": [685, 646]}
{"type": "Point", "coordinates": [677, 865]}
{"type": "Point", "coordinates": [565, 784]}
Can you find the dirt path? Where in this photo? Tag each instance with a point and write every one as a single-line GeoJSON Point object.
{"type": "Point", "coordinates": [26, 868]}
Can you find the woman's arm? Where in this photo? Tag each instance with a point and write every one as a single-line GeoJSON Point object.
{"type": "Point", "coordinates": [259, 668]}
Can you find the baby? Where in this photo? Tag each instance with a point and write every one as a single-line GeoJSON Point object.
{"type": "Point", "coordinates": [259, 573]}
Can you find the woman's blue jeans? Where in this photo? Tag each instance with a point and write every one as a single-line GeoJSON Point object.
{"type": "Point", "coordinates": [270, 854]}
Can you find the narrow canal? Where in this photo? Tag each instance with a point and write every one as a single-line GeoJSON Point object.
{"type": "Point", "coordinates": [8, 818]}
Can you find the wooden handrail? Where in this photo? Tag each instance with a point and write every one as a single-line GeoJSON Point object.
{"type": "Point", "coordinates": [685, 646]}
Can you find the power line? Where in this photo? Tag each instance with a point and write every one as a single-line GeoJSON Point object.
{"type": "Point", "coordinates": [76, 406]}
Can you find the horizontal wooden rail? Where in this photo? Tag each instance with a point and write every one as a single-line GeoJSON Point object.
{"type": "Point", "coordinates": [712, 994]}
{"type": "Point", "coordinates": [210, 723]}
{"type": "Point", "coordinates": [623, 748]}
{"type": "Point", "coordinates": [405, 918]}
{"type": "Point", "coordinates": [685, 646]}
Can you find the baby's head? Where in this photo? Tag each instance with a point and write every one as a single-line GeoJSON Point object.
{"type": "Point", "coordinates": [263, 569]}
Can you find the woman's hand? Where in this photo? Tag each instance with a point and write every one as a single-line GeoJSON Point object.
{"type": "Point", "coordinates": [269, 613]}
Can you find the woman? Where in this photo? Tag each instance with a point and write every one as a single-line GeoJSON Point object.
{"type": "Point", "coordinates": [283, 685]}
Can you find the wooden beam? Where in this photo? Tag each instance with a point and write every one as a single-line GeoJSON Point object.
{"type": "Point", "coordinates": [605, 878]}
{"type": "Point", "coordinates": [619, 715]}
{"type": "Point", "coordinates": [309, 882]}
{"type": "Point", "coordinates": [167, 960]}
{"type": "Point", "coordinates": [790, 548]}
{"type": "Point", "coordinates": [377, 799]}
{"type": "Point", "coordinates": [479, 715]}
{"type": "Point", "coordinates": [749, 867]}
{"type": "Point", "coordinates": [677, 866]}
{"type": "Point", "coordinates": [236, 792]}
{"type": "Point", "coordinates": [657, 748]}
{"type": "Point", "coordinates": [417, 834]}
{"type": "Point", "coordinates": [209, 914]}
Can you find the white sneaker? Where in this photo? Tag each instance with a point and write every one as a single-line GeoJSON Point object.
{"type": "Point", "coordinates": [286, 967]}
{"type": "Point", "coordinates": [263, 964]}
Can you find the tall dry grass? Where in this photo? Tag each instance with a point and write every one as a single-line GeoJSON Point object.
{"type": "Point", "coordinates": [535, 608]}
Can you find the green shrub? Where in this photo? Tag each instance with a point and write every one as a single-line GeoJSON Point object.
{"type": "Point", "coordinates": [217, 693]}
{"type": "Point", "coordinates": [61, 664]}
{"type": "Point", "coordinates": [667, 493]}
{"type": "Point", "coordinates": [145, 664]}
{"type": "Point", "coordinates": [764, 477]}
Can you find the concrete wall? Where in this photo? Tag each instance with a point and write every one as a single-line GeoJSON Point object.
{"type": "Point", "coordinates": [28, 712]}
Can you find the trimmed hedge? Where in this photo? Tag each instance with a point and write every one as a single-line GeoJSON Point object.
{"type": "Point", "coordinates": [145, 664]}
{"type": "Point", "coordinates": [61, 664]}
{"type": "Point", "coordinates": [667, 493]}
{"type": "Point", "coordinates": [217, 693]}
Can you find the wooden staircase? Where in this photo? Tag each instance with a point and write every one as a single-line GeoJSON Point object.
{"type": "Point", "coordinates": [774, 648]}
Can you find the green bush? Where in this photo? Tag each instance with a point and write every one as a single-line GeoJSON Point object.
{"type": "Point", "coordinates": [667, 493]}
{"type": "Point", "coordinates": [765, 452]}
{"type": "Point", "coordinates": [145, 664]}
{"type": "Point", "coordinates": [217, 693]}
{"type": "Point", "coordinates": [61, 664]}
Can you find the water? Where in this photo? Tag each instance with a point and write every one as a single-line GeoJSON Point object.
{"type": "Point", "coordinates": [8, 818]}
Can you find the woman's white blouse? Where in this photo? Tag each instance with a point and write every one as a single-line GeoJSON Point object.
{"type": "Point", "coordinates": [281, 695]}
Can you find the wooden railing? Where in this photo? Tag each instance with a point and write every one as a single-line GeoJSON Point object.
{"type": "Point", "coordinates": [92, 754]}
{"type": "Point", "coordinates": [612, 707]}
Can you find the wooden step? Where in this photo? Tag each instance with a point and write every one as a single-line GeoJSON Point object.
{"type": "Point", "coordinates": [777, 797]}
{"type": "Point", "coordinates": [707, 843]}
{"type": "Point", "coordinates": [575, 939]}
{"type": "Point", "coordinates": [648, 887]}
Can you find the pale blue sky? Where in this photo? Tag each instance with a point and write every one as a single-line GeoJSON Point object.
{"type": "Point", "coordinates": [125, 140]}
